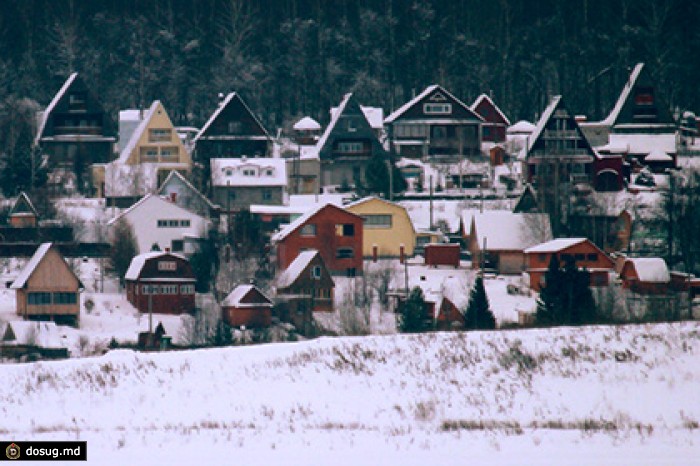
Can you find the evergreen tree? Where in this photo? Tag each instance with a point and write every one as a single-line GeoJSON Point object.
{"type": "Point", "coordinates": [549, 303]}
{"type": "Point", "coordinates": [123, 249]}
{"type": "Point", "coordinates": [378, 180]}
{"type": "Point", "coordinates": [478, 315]}
{"type": "Point", "coordinates": [566, 298]}
{"type": "Point", "coordinates": [413, 317]}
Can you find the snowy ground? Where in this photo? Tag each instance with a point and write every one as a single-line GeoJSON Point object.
{"type": "Point", "coordinates": [588, 396]}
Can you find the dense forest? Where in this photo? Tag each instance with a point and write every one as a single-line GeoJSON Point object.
{"type": "Point", "coordinates": [290, 58]}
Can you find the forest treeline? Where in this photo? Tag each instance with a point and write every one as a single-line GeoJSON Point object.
{"type": "Point", "coordinates": [290, 58]}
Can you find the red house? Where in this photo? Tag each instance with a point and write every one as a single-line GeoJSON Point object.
{"type": "Point", "coordinates": [442, 254]}
{"type": "Point", "coordinates": [647, 275]}
{"type": "Point", "coordinates": [581, 250]}
{"type": "Point", "coordinates": [495, 122]}
{"type": "Point", "coordinates": [332, 230]}
{"type": "Point", "coordinates": [247, 306]}
{"type": "Point", "coordinates": [160, 282]}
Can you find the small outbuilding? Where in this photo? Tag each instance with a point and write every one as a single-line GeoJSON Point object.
{"type": "Point", "coordinates": [247, 306]}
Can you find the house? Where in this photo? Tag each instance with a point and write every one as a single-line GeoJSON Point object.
{"type": "Point", "coordinates": [304, 171]}
{"type": "Point", "coordinates": [347, 146]}
{"type": "Point", "coordinates": [498, 239]}
{"type": "Point", "coordinates": [435, 126]}
{"type": "Point", "coordinates": [305, 287]}
{"type": "Point", "coordinates": [387, 228]}
{"type": "Point", "coordinates": [495, 124]}
{"type": "Point", "coordinates": [582, 251]}
{"type": "Point", "coordinates": [74, 133]}
{"type": "Point", "coordinates": [23, 214]}
{"type": "Point", "coordinates": [153, 151]}
{"type": "Point", "coordinates": [645, 275]}
{"type": "Point", "coordinates": [238, 183]}
{"type": "Point", "coordinates": [47, 288]}
{"type": "Point", "coordinates": [160, 282]}
{"type": "Point", "coordinates": [178, 190]}
{"type": "Point", "coordinates": [446, 314]}
{"type": "Point", "coordinates": [306, 131]}
{"type": "Point", "coordinates": [442, 254]}
{"type": "Point", "coordinates": [335, 232]}
{"type": "Point", "coordinates": [159, 223]}
{"type": "Point", "coordinates": [374, 116]}
{"type": "Point", "coordinates": [247, 306]}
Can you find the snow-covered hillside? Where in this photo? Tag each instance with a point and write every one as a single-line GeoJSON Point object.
{"type": "Point", "coordinates": [598, 395]}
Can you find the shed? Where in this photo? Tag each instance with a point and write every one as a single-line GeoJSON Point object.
{"type": "Point", "coordinates": [247, 306]}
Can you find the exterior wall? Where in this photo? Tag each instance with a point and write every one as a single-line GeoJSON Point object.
{"type": "Point", "coordinates": [250, 317]}
{"type": "Point", "coordinates": [442, 254]}
{"type": "Point", "coordinates": [449, 317]}
{"type": "Point", "coordinates": [510, 262]}
{"type": "Point", "coordinates": [159, 120]}
{"type": "Point", "coordinates": [388, 240]}
{"type": "Point", "coordinates": [144, 221]}
{"type": "Point", "coordinates": [52, 275]}
{"type": "Point", "coordinates": [343, 173]}
{"type": "Point", "coordinates": [178, 303]}
{"type": "Point", "coordinates": [599, 267]}
{"type": "Point", "coordinates": [23, 221]}
{"type": "Point", "coordinates": [326, 241]}
{"type": "Point", "coordinates": [186, 198]}
{"type": "Point", "coordinates": [318, 293]}
{"type": "Point", "coordinates": [244, 196]}
{"type": "Point", "coordinates": [303, 176]}
{"type": "Point", "coordinates": [630, 281]}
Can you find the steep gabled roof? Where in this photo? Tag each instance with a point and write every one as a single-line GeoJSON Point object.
{"type": "Point", "coordinates": [236, 296]}
{"type": "Point", "coordinates": [31, 266]}
{"type": "Point", "coordinates": [232, 96]}
{"type": "Point", "coordinates": [148, 198]}
{"type": "Point", "coordinates": [56, 99]}
{"type": "Point", "coordinates": [485, 98]}
{"type": "Point", "coordinates": [176, 175]}
{"type": "Point", "coordinates": [426, 92]}
{"type": "Point", "coordinates": [295, 269]}
{"type": "Point", "coordinates": [136, 135]}
{"type": "Point", "coordinates": [296, 224]}
{"type": "Point", "coordinates": [23, 205]}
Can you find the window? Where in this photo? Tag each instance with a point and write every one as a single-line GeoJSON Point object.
{"type": "Point", "coordinates": [438, 132]}
{"type": "Point", "coordinates": [169, 266]}
{"type": "Point", "coordinates": [234, 127]}
{"type": "Point", "coordinates": [350, 147]}
{"type": "Point", "coordinates": [580, 257]}
{"type": "Point", "coordinates": [345, 229]}
{"type": "Point", "coordinates": [65, 298]}
{"type": "Point", "coordinates": [168, 289]}
{"type": "Point", "coordinates": [177, 245]}
{"type": "Point", "coordinates": [344, 253]}
{"type": "Point", "coordinates": [542, 257]}
{"type": "Point", "coordinates": [248, 172]}
{"type": "Point", "coordinates": [228, 172]}
{"type": "Point", "coordinates": [566, 257]}
{"type": "Point", "coordinates": [308, 230]}
{"type": "Point", "coordinates": [592, 257]}
{"type": "Point", "coordinates": [159, 135]}
{"type": "Point", "coordinates": [437, 109]}
{"type": "Point", "coordinates": [149, 154]}
{"type": "Point", "coordinates": [150, 289]}
{"type": "Point", "coordinates": [185, 223]}
{"type": "Point", "coordinates": [39, 299]}
{"type": "Point", "coordinates": [266, 194]}
{"type": "Point", "coordinates": [173, 223]}
{"type": "Point", "coordinates": [377, 221]}
{"type": "Point", "coordinates": [316, 272]}
{"type": "Point", "coordinates": [169, 152]}
{"type": "Point", "coordinates": [269, 172]}
{"type": "Point", "coordinates": [186, 289]}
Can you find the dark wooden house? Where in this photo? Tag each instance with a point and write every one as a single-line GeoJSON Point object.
{"type": "Point", "coordinates": [347, 145]}
{"type": "Point", "coordinates": [332, 230]}
{"type": "Point", "coordinates": [160, 282]}
{"type": "Point", "coordinates": [435, 126]}
{"type": "Point", "coordinates": [75, 132]}
{"type": "Point", "coordinates": [495, 121]}
{"type": "Point", "coordinates": [233, 130]}
{"type": "Point", "coordinates": [47, 288]}
{"type": "Point", "coordinates": [247, 306]}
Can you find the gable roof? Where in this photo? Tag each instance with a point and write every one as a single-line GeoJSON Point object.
{"type": "Point", "coordinates": [306, 124]}
{"type": "Point", "coordinates": [150, 197]}
{"type": "Point", "coordinates": [219, 169]}
{"type": "Point", "coordinates": [508, 231]}
{"type": "Point", "coordinates": [486, 98]}
{"type": "Point", "coordinates": [555, 104]}
{"type": "Point", "coordinates": [555, 245]}
{"type": "Point", "coordinates": [229, 98]}
{"type": "Point", "coordinates": [236, 296]}
{"type": "Point", "coordinates": [176, 175]}
{"type": "Point", "coordinates": [521, 127]}
{"type": "Point", "coordinates": [23, 205]}
{"type": "Point", "coordinates": [56, 99]}
{"type": "Point", "coordinates": [31, 266]}
{"type": "Point", "coordinates": [296, 224]}
{"type": "Point", "coordinates": [374, 115]}
{"type": "Point", "coordinates": [138, 262]}
{"type": "Point", "coordinates": [426, 92]}
{"type": "Point", "coordinates": [295, 269]}
{"type": "Point", "coordinates": [527, 200]}
{"type": "Point", "coordinates": [650, 269]}
{"type": "Point", "coordinates": [141, 128]}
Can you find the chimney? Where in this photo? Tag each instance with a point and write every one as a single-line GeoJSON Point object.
{"type": "Point", "coordinates": [375, 252]}
{"type": "Point", "coordinates": [167, 249]}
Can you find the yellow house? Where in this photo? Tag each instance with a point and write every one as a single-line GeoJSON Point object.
{"type": "Point", "coordinates": [152, 152]}
{"type": "Point", "coordinates": [386, 225]}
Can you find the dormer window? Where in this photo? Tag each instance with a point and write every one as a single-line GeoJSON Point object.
{"type": "Point", "coordinates": [269, 172]}
{"type": "Point", "coordinates": [228, 172]}
{"type": "Point", "coordinates": [169, 266]}
{"type": "Point", "coordinates": [437, 109]}
{"type": "Point", "coordinates": [248, 172]}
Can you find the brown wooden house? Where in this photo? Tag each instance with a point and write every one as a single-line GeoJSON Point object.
{"type": "Point", "coordinates": [646, 275]}
{"type": "Point", "coordinates": [582, 251]}
{"type": "Point", "coordinates": [160, 282]}
{"type": "Point", "coordinates": [495, 122]}
{"type": "Point", "coordinates": [247, 306]}
{"type": "Point", "coordinates": [23, 214]}
{"type": "Point", "coordinates": [47, 288]}
{"type": "Point", "coordinates": [332, 230]}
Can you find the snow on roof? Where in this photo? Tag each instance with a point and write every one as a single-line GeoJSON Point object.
{"type": "Point", "coordinates": [644, 143]}
{"type": "Point", "coordinates": [508, 231]}
{"type": "Point", "coordinates": [139, 261]}
{"type": "Point", "coordinates": [178, 175]}
{"type": "Point", "coordinates": [298, 265]}
{"type": "Point", "coordinates": [546, 115]}
{"type": "Point", "coordinates": [374, 115]}
{"type": "Point", "coordinates": [555, 245]}
{"type": "Point", "coordinates": [401, 110]}
{"type": "Point", "coordinates": [307, 124]}
{"type": "Point", "coordinates": [334, 120]}
{"type": "Point", "coordinates": [482, 97]}
{"type": "Point", "coordinates": [237, 172]}
{"type": "Point", "coordinates": [150, 197]}
{"type": "Point", "coordinates": [521, 127]}
{"type": "Point", "coordinates": [624, 95]}
{"type": "Point", "coordinates": [286, 230]}
{"type": "Point", "coordinates": [23, 196]}
{"type": "Point", "coordinates": [658, 156]}
{"type": "Point", "coordinates": [651, 269]}
{"type": "Point", "coordinates": [57, 98]}
{"type": "Point", "coordinates": [29, 268]}
{"type": "Point", "coordinates": [218, 110]}
{"type": "Point", "coordinates": [130, 114]}
{"type": "Point", "coordinates": [237, 294]}
{"type": "Point", "coordinates": [42, 334]}
{"type": "Point", "coordinates": [136, 135]}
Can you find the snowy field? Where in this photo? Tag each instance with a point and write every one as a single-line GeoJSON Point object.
{"type": "Point", "coordinates": [584, 396]}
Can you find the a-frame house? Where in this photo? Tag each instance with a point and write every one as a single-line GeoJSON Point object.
{"type": "Point", "coordinates": [233, 130]}
{"type": "Point", "coordinates": [74, 132]}
{"type": "Point", "coordinates": [495, 124]}
{"type": "Point", "coordinates": [435, 126]}
{"type": "Point", "coordinates": [347, 144]}
{"type": "Point", "coordinates": [23, 214]}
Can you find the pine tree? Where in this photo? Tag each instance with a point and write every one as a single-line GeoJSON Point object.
{"type": "Point", "coordinates": [123, 249]}
{"type": "Point", "coordinates": [549, 303]}
{"type": "Point", "coordinates": [566, 298]}
{"type": "Point", "coordinates": [413, 317]}
{"type": "Point", "coordinates": [478, 315]}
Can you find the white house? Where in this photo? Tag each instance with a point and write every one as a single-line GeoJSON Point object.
{"type": "Point", "coordinates": [159, 223]}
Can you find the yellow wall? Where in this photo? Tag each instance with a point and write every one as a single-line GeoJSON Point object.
{"type": "Point", "coordinates": [388, 240]}
{"type": "Point", "coordinates": [159, 119]}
